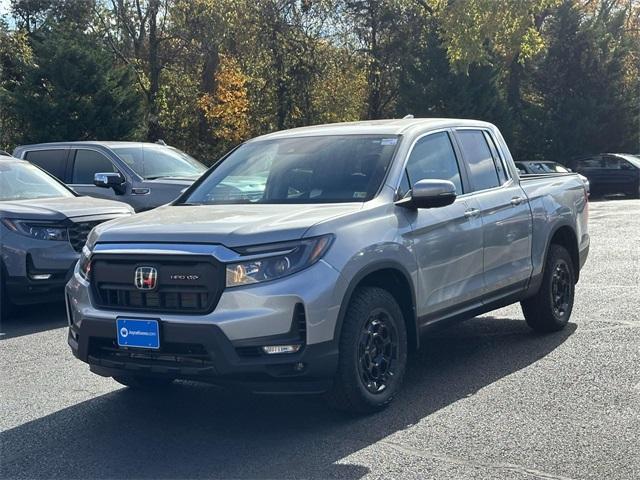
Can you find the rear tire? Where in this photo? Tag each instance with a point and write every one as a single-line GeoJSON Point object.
{"type": "Point", "coordinates": [373, 353]}
{"type": "Point", "coordinates": [144, 383]}
{"type": "Point", "coordinates": [549, 309]}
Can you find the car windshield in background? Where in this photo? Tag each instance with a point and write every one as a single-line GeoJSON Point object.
{"type": "Point", "coordinates": [23, 181]}
{"type": "Point", "coordinates": [633, 159]}
{"type": "Point", "coordinates": [158, 161]}
{"type": "Point", "coordinates": [323, 169]}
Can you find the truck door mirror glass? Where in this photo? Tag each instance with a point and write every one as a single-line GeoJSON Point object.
{"type": "Point", "coordinates": [429, 194]}
{"type": "Point", "coordinates": [109, 180]}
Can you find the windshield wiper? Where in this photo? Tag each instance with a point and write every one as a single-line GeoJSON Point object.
{"type": "Point", "coordinates": [156, 177]}
{"type": "Point", "coordinates": [177, 176]}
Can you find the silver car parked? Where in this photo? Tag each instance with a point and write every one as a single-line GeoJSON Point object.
{"type": "Point", "coordinates": [314, 259]}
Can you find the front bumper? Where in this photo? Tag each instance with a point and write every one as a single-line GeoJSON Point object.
{"type": "Point", "coordinates": [224, 347]}
{"type": "Point", "coordinates": [24, 258]}
{"type": "Point", "coordinates": [204, 353]}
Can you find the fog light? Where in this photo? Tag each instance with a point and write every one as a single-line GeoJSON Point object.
{"type": "Point", "coordinates": [40, 276]}
{"type": "Point", "coordinates": [276, 349]}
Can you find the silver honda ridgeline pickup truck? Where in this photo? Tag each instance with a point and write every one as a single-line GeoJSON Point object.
{"type": "Point", "coordinates": [311, 260]}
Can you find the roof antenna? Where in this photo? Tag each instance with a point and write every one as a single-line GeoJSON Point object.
{"type": "Point", "coordinates": [407, 116]}
{"type": "Point", "coordinates": [160, 142]}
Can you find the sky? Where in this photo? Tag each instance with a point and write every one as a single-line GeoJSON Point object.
{"type": "Point", "coordinates": [5, 8]}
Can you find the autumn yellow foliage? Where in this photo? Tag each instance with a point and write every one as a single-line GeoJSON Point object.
{"type": "Point", "coordinates": [227, 110]}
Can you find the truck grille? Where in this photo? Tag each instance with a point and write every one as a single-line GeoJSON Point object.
{"type": "Point", "coordinates": [79, 231]}
{"type": "Point", "coordinates": [189, 285]}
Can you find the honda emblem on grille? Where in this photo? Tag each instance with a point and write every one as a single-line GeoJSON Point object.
{"type": "Point", "coordinates": [146, 278]}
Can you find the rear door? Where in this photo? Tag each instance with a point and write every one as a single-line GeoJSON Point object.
{"type": "Point", "coordinates": [505, 214]}
{"type": "Point", "coordinates": [85, 163]}
{"type": "Point", "coordinates": [619, 175]}
{"type": "Point", "coordinates": [448, 240]}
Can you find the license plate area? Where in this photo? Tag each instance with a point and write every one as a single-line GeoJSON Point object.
{"type": "Point", "coordinates": [138, 333]}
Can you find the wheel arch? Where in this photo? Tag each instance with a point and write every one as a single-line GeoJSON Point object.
{"type": "Point", "coordinates": [565, 236]}
{"type": "Point", "coordinates": [394, 278]}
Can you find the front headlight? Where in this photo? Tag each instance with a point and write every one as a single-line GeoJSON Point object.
{"type": "Point", "coordinates": [38, 230]}
{"type": "Point", "coordinates": [84, 263]}
{"type": "Point", "coordinates": [276, 260]}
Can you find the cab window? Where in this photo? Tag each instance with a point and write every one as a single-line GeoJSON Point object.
{"type": "Point", "coordinates": [433, 157]}
{"type": "Point", "coordinates": [87, 163]}
{"type": "Point", "coordinates": [476, 153]}
{"type": "Point", "coordinates": [53, 161]}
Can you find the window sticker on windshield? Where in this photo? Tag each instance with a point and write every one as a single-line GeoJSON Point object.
{"type": "Point", "coordinates": [359, 194]}
{"type": "Point", "coordinates": [388, 141]}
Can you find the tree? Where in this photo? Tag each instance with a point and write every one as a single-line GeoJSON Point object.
{"type": "Point", "coordinates": [73, 91]}
{"type": "Point", "coordinates": [430, 87]}
{"type": "Point", "coordinates": [589, 104]}
{"type": "Point", "coordinates": [382, 30]}
{"type": "Point", "coordinates": [140, 41]}
{"type": "Point", "coordinates": [16, 57]}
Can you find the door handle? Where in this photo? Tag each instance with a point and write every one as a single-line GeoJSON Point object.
{"type": "Point", "coordinates": [516, 201]}
{"type": "Point", "coordinates": [472, 212]}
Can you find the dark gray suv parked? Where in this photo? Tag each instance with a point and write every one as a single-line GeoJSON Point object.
{"type": "Point", "coordinates": [43, 227]}
{"type": "Point", "coordinates": [144, 175]}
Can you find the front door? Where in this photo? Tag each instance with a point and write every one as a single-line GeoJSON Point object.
{"type": "Point", "coordinates": [85, 164]}
{"type": "Point", "coordinates": [447, 241]}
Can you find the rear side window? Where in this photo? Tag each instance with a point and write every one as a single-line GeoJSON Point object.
{"type": "Point", "coordinates": [433, 157]}
{"type": "Point", "coordinates": [87, 164]}
{"type": "Point", "coordinates": [614, 163]}
{"type": "Point", "coordinates": [478, 156]}
{"type": "Point", "coordinates": [497, 159]}
{"type": "Point", "coordinates": [52, 161]}
{"type": "Point", "coordinates": [590, 163]}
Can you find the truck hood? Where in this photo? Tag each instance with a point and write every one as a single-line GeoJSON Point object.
{"type": "Point", "coordinates": [61, 208]}
{"type": "Point", "coordinates": [229, 225]}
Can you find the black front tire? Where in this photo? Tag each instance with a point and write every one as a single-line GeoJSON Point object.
{"type": "Point", "coordinates": [549, 309]}
{"type": "Point", "coordinates": [144, 383]}
{"type": "Point", "coordinates": [373, 353]}
{"type": "Point", "coordinates": [5, 304]}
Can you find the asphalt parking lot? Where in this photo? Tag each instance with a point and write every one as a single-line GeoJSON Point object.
{"type": "Point", "coordinates": [483, 399]}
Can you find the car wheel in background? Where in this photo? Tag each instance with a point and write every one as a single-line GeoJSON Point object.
{"type": "Point", "coordinates": [373, 353]}
{"type": "Point", "coordinates": [549, 309]}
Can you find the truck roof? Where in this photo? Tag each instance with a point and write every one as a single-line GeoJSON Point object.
{"type": "Point", "coordinates": [376, 127]}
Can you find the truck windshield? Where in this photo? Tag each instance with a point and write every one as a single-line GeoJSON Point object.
{"type": "Point", "coordinates": [157, 161]}
{"type": "Point", "coordinates": [323, 169]}
{"type": "Point", "coordinates": [23, 181]}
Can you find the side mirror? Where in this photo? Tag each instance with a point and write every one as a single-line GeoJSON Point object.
{"type": "Point", "coordinates": [109, 180]}
{"type": "Point", "coordinates": [429, 194]}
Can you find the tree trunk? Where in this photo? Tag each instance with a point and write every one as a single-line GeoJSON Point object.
{"type": "Point", "coordinates": [154, 131]}
{"type": "Point", "coordinates": [208, 86]}
{"type": "Point", "coordinates": [374, 74]}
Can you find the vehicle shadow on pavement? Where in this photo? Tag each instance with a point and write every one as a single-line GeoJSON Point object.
{"type": "Point", "coordinates": [25, 320]}
{"type": "Point", "coordinates": [199, 431]}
